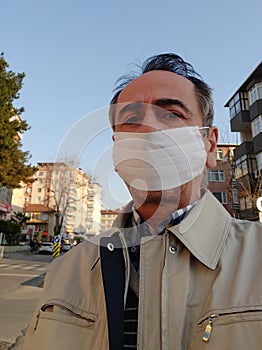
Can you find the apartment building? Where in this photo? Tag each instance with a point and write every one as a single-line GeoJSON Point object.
{"type": "Point", "coordinates": [222, 181]}
{"type": "Point", "coordinates": [245, 108]}
{"type": "Point", "coordinates": [41, 221]}
{"type": "Point", "coordinates": [64, 188]}
{"type": "Point", "coordinates": [107, 218]}
{"type": "Point", "coordinates": [94, 205]}
{"type": "Point", "coordinates": [18, 198]}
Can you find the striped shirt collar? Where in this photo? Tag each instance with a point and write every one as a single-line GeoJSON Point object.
{"type": "Point", "coordinates": [175, 218]}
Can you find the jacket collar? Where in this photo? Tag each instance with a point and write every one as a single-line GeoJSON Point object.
{"type": "Point", "coordinates": [204, 230]}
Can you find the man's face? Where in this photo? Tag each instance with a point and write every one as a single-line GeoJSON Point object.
{"type": "Point", "coordinates": [157, 100]}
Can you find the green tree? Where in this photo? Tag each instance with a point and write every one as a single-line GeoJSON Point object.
{"type": "Point", "coordinates": [11, 231]}
{"type": "Point", "coordinates": [14, 166]}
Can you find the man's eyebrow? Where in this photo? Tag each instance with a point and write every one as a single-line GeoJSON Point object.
{"type": "Point", "coordinates": [130, 107]}
{"type": "Point", "coordinates": [169, 102]}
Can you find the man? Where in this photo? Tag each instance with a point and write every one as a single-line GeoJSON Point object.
{"type": "Point", "coordinates": [176, 271]}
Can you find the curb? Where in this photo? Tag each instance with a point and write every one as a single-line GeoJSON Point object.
{"type": "Point", "coordinates": [4, 345]}
{"type": "Point", "coordinates": [18, 345]}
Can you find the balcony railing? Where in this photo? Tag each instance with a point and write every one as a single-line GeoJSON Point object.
{"type": "Point", "coordinates": [243, 149]}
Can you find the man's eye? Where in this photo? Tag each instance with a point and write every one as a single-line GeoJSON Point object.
{"type": "Point", "coordinates": [173, 115]}
{"type": "Point", "coordinates": [131, 120]}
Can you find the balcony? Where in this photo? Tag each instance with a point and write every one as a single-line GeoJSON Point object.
{"type": "Point", "coordinates": [255, 109]}
{"type": "Point", "coordinates": [240, 122]}
{"type": "Point", "coordinates": [243, 149]}
{"type": "Point", "coordinates": [257, 140]}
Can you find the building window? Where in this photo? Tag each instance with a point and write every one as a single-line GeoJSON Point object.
{"type": "Point", "coordinates": [255, 93]}
{"type": "Point", "coordinates": [238, 103]}
{"type": "Point", "coordinates": [39, 190]}
{"type": "Point", "coordinates": [242, 204]}
{"type": "Point", "coordinates": [216, 175]}
{"type": "Point", "coordinates": [248, 203]}
{"type": "Point", "coordinates": [241, 167]}
{"type": "Point", "coordinates": [259, 160]}
{"type": "Point", "coordinates": [41, 173]}
{"type": "Point", "coordinates": [256, 126]}
{"type": "Point", "coordinates": [219, 153]}
{"type": "Point", "coordinates": [233, 182]}
{"type": "Point", "coordinates": [235, 196]}
{"type": "Point", "coordinates": [221, 196]}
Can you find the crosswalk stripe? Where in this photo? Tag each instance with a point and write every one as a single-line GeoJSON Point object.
{"type": "Point", "coordinates": [14, 266]}
{"type": "Point", "coordinates": [24, 267]}
{"type": "Point", "coordinates": [17, 275]}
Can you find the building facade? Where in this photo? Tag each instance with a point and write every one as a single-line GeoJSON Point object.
{"type": "Point", "coordinates": [41, 221]}
{"type": "Point", "coordinates": [222, 181]}
{"type": "Point", "coordinates": [94, 206]}
{"type": "Point", "coordinates": [107, 219]}
{"type": "Point", "coordinates": [245, 108]}
{"type": "Point", "coordinates": [18, 199]}
{"type": "Point", "coordinates": [64, 188]}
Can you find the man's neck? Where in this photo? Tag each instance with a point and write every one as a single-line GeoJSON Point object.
{"type": "Point", "coordinates": [155, 212]}
{"type": "Point", "coordinates": [154, 216]}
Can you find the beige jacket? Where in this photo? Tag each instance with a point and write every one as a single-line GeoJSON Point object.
{"type": "Point", "coordinates": [200, 288]}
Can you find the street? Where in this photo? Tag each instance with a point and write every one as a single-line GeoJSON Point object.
{"type": "Point", "coordinates": [21, 276]}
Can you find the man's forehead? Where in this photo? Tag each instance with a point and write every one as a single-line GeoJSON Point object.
{"type": "Point", "coordinates": [157, 84]}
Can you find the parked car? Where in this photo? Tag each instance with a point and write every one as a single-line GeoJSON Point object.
{"type": "Point", "coordinates": [66, 247]}
{"type": "Point", "coordinates": [46, 248]}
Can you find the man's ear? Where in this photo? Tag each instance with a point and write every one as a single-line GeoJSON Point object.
{"type": "Point", "coordinates": [211, 143]}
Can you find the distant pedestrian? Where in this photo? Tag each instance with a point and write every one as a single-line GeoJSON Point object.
{"type": "Point", "coordinates": [31, 243]}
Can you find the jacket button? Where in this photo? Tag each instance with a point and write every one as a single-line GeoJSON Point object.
{"type": "Point", "coordinates": [172, 249]}
{"type": "Point", "coordinates": [110, 246]}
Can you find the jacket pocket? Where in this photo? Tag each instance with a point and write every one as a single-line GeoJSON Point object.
{"type": "Point", "coordinates": [61, 326]}
{"type": "Point", "coordinates": [62, 312]}
{"type": "Point", "coordinates": [229, 329]}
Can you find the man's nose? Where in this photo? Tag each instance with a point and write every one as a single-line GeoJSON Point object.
{"type": "Point", "coordinates": [150, 121]}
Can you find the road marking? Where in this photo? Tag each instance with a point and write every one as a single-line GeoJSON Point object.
{"type": "Point", "coordinates": [25, 267]}
{"type": "Point", "coordinates": [29, 268]}
{"type": "Point", "coordinates": [17, 275]}
{"type": "Point", "coordinates": [16, 266]}
{"type": "Point", "coordinates": [42, 269]}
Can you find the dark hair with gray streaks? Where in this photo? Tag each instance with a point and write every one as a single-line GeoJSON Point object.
{"type": "Point", "coordinates": [172, 63]}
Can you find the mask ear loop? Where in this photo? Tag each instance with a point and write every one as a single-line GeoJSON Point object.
{"type": "Point", "coordinates": [204, 130]}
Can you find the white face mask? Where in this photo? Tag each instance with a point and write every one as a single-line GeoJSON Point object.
{"type": "Point", "coordinates": [159, 160]}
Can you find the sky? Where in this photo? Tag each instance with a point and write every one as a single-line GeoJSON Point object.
{"type": "Point", "coordinates": [73, 51]}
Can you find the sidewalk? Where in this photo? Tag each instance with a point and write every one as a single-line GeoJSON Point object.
{"type": "Point", "coordinates": [16, 310]}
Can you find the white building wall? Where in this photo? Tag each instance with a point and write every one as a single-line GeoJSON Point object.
{"type": "Point", "coordinates": [53, 177]}
{"type": "Point", "coordinates": [94, 207]}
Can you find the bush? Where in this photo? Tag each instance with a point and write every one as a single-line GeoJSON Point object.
{"type": "Point", "coordinates": [11, 231]}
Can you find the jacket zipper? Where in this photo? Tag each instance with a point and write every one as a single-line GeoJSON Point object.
{"type": "Point", "coordinates": [213, 317]}
{"type": "Point", "coordinates": [61, 306]}
{"type": "Point", "coordinates": [209, 327]}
